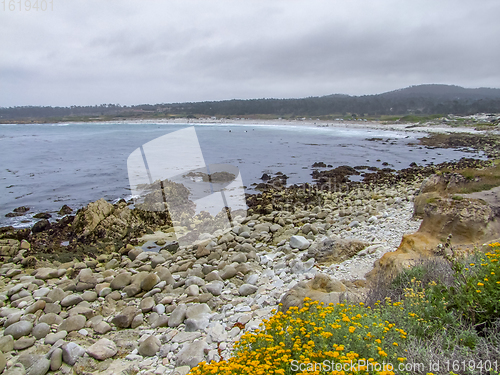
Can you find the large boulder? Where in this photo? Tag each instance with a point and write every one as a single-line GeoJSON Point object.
{"type": "Point", "coordinates": [469, 221]}
{"type": "Point", "coordinates": [322, 288]}
{"type": "Point", "coordinates": [335, 250]}
{"type": "Point", "coordinates": [101, 219]}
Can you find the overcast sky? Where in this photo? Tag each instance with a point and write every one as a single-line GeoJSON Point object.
{"type": "Point", "coordinates": [87, 52]}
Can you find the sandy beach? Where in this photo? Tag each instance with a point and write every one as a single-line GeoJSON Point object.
{"type": "Point", "coordinates": [429, 127]}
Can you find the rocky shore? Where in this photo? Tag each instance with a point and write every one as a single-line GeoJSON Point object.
{"type": "Point", "coordinates": [82, 295]}
{"type": "Point", "coordinates": [126, 309]}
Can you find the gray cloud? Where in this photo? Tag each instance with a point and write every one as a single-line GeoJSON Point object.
{"type": "Point", "coordinates": [130, 51]}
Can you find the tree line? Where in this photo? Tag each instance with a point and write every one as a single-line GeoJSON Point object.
{"type": "Point", "coordinates": [418, 100]}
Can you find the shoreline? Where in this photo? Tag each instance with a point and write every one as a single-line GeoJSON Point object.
{"type": "Point", "coordinates": [349, 124]}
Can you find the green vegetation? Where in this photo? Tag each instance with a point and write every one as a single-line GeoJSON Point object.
{"type": "Point", "coordinates": [412, 104]}
{"type": "Point", "coordinates": [420, 118]}
{"type": "Point", "coordinates": [479, 179]}
{"type": "Point", "coordinates": [444, 310]}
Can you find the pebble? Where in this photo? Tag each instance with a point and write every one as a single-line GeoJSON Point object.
{"type": "Point", "coordinates": [71, 352]}
{"type": "Point", "coordinates": [19, 329]}
{"type": "Point", "coordinates": [150, 346]}
{"type": "Point", "coordinates": [41, 330]}
{"type": "Point", "coordinates": [56, 359]}
{"type": "Point", "coordinates": [247, 289]}
{"type": "Point", "coordinates": [102, 349]}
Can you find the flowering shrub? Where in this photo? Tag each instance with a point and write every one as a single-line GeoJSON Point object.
{"type": "Point", "coordinates": [365, 337]}
{"type": "Point", "coordinates": [477, 293]}
{"type": "Point", "coordinates": [341, 334]}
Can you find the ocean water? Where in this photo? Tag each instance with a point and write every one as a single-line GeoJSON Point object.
{"type": "Point", "coordinates": [44, 166]}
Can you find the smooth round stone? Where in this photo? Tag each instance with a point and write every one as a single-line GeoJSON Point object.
{"type": "Point", "coordinates": [149, 347]}
{"type": "Point", "coordinates": [102, 328]}
{"type": "Point", "coordinates": [252, 279]}
{"type": "Point", "coordinates": [147, 304]}
{"type": "Point", "coordinates": [105, 291]}
{"type": "Point", "coordinates": [56, 359]}
{"type": "Point", "coordinates": [113, 263]}
{"type": "Point", "coordinates": [89, 296]}
{"type": "Point", "coordinates": [149, 282]}
{"type": "Point", "coordinates": [41, 330]}
{"type": "Point", "coordinates": [71, 352]}
{"type": "Point", "coordinates": [56, 294]}
{"type": "Point", "coordinates": [215, 287]}
{"type": "Point", "coordinates": [38, 305]}
{"type": "Point", "coordinates": [19, 329]}
{"type": "Point", "coordinates": [121, 281]}
{"type": "Point", "coordinates": [52, 308]}
{"type": "Point", "coordinates": [14, 318]}
{"type": "Point", "coordinates": [73, 323]}
{"type": "Point", "coordinates": [16, 369]}
{"type": "Point", "coordinates": [247, 289]}
{"type": "Point", "coordinates": [72, 299]}
{"type": "Point", "coordinates": [33, 364]}
{"type": "Point", "coordinates": [102, 349]}
{"type": "Point", "coordinates": [42, 292]}
{"type": "Point", "coordinates": [3, 362]}
{"type": "Point", "coordinates": [51, 318]}
{"type": "Point", "coordinates": [193, 290]}
{"type": "Point", "coordinates": [24, 343]}
{"type": "Point", "coordinates": [160, 309]}
{"type": "Point", "coordinates": [51, 338]}
{"type": "Point", "coordinates": [115, 295]}
{"type": "Point", "coordinates": [137, 321]}
{"type": "Point", "coordinates": [6, 344]}
{"type": "Point", "coordinates": [228, 272]}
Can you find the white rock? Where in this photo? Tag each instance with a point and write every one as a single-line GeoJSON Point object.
{"type": "Point", "coordinates": [299, 242]}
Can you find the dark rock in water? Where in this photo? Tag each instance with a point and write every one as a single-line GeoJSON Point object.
{"type": "Point", "coordinates": [42, 215]}
{"type": "Point", "coordinates": [219, 177]}
{"type": "Point", "coordinates": [171, 247]}
{"type": "Point", "coordinates": [41, 226]}
{"type": "Point", "coordinates": [19, 211]}
{"type": "Point", "coordinates": [65, 210]}
{"type": "Point", "coordinates": [319, 164]}
{"type": "Point", "coordinates": [265, 177]}
{"type": "Point", "coordinates": [338, 175]}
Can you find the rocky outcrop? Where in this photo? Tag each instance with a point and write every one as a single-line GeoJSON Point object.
{"type": "Point", "coordinates": [466, 221]}
{"type": "Point", "coordinates": [469, 221]}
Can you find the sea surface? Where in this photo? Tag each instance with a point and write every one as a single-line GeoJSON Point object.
{"type": "Point", "coordinates": [44, 166]}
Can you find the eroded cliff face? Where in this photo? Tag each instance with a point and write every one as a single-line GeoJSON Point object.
{"type": "Point", "coordinates": [468, 220]}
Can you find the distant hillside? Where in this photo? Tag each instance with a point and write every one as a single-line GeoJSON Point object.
{"type": "Point", "coordinates": [443, 92]}
{"type": "Point", "coordinates": [422, 99]}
